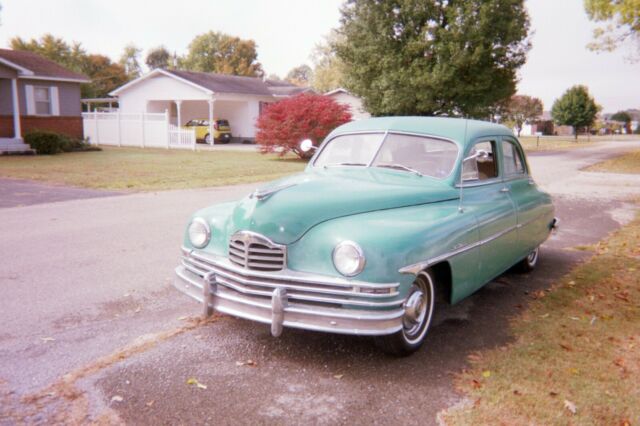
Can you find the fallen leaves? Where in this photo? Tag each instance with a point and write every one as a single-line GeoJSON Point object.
{"type": "Point", "coordinates": [47, 339]}
{"type": "Point", "coordinates": [195, 382]}
{"type": "Point", "coordinates": [486, 374]}
{"type": "Point", "coordinates": [249, 362]}
{"type": "Point", "coordinates": [570, 406]}
{"type": "Point", "coordinates": [117, 398]}
{"type": "Point", "coordinates": [338, 376]}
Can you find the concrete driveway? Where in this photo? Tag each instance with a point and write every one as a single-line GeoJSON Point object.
{"type": "Point", "coordinates": [93, 330]}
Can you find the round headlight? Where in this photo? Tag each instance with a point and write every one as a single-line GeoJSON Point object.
{"type": "Point", "coordinates": [348, 258]}
{"type": "Point", "coordinates": [199, 232]}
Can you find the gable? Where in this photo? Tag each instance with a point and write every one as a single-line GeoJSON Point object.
{"type": "Point", "coordinates": [161, 87]}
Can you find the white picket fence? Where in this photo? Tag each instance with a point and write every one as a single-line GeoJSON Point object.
{"type": "Point", "coordinates": [143, 130]}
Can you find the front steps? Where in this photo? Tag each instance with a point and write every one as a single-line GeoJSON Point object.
{"type": "Point", "coordinates": [10, 146]}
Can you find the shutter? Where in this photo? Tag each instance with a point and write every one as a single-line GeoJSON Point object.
{"type": "Point", "coordinates": [31, 102]}
{"type": "Point", "coordinates": [54, 99]}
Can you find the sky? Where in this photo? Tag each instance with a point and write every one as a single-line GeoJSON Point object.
{"type": "Point", "coordinates": [287, 30]}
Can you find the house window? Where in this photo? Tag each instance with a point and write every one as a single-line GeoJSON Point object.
{"type": "Point", "coordinates": [42, 98]}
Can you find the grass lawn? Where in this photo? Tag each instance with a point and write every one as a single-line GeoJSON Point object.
{"type": "Point", "coordinates": [626, 163]}
{"type": "Point", "coordinates": [547, 143]}
{"type": "Point", "coordinates": [149, 169]}
{"type": "Point", "coordinates": [576, 357]}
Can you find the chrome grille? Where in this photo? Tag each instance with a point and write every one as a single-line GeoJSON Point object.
{"type": "Point", "coordinates": [300, 287]}
{"type": "Point", "coordinates": [256, 252]}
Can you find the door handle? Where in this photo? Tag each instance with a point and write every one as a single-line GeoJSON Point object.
{"type": "Point", "coordinates": [505, 189]}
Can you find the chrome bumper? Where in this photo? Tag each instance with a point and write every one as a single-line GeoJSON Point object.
{"type": "Point", "coordinates": [290, 299]}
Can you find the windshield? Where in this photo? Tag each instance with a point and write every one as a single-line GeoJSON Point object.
{"type": "Point", "coordinates": [410, 153]}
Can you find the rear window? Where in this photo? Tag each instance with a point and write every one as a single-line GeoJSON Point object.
{"type": "Point", "coordinates": [223, 123]}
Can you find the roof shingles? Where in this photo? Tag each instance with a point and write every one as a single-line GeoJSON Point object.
{"type": "Point", "coordinates": [40, 66]}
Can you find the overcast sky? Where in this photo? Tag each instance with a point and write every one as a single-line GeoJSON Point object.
{"type": "Point", "coordinates": [287, 30]}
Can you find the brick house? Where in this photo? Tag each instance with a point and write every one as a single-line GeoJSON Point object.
{"type": "Point", "coordinates": [36, 94]}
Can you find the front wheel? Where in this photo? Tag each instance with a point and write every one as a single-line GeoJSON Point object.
{"type": "Point", "coordinates": [418, 312]}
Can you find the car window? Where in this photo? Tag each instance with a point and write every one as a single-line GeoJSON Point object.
{"type": "Point", "coordinates": [224, 123]}
{"type": "Point", "coordinates": [357, 149]}
{"type": "Point", "coordinates": [428, 156]}
{"type": "Point", "coordinates": [513, 164]}
{"type": "Point", "coordinates": [479, 169]}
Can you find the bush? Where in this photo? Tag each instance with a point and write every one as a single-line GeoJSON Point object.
{"type": "Point", "coordinates": [284, 124]}
{"type": "Point", "coordinates": [50, 143]}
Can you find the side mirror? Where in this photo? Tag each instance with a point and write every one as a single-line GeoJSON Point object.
{"type": "Point", "coordinates": [306, 145]}
{"type": "Point", "coordinates": [482, 154]}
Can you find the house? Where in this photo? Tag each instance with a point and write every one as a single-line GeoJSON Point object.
{"type": "Point", "coordinates": [187, 95]}
{"type": "Point", "coordinates": [354, 103]}
{"type": "Point", "coordinates": [36, 94]}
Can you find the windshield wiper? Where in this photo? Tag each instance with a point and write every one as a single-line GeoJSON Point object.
{"type": "Point", "coordinates": [344, 164]}
{"type": "Point", "coordinates": [399, 167]}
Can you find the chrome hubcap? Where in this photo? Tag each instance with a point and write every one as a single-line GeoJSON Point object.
{"type": "Point", "coordinates": [533, 257]}
{"type": "Point", "coordinates": [415, 311]}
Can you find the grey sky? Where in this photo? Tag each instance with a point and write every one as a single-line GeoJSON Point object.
{"type": "Point", "coordinates": [287, 30]}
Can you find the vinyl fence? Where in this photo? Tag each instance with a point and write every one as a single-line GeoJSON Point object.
{"type": "Point", "coordinates": [143, 130]}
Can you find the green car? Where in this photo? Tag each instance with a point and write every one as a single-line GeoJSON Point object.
{"type": "Point", "coordinates": [393, 219]}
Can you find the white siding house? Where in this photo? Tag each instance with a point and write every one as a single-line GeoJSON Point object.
{"type": "Point", "coordinates": [195, 95]}
{"type": "Point", "coordinates": [354, 103]}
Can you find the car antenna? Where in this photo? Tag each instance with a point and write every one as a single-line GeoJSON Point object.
{"type": "Point", "coordinates": [464, 142]}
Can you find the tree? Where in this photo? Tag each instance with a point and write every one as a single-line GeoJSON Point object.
{"type": "Point", "coordinates": [622, 19]}
{"type": "Point", "coordinates": [300, 75]}
{"type": "Point", "coordinates": [522, 109]}
{"type": "Point", "coordinates": [433, 57]}
{"type": "Point", "coordinates": [623, 117]}
{"type": "Point", "coordinates": [575, 108]}
{"type": "Point", "coordinates": [224, 54]}
{"type": "Point", "coordinates": [328, 72]}
{"type": "Point", "coordinates": [129, 60]}
{"type": "Point", "coordinates": [284, 124]}
{"type": "Point", "coordinates": [158, 57]}
{"type": "Point", "coordinates": [104, 74]}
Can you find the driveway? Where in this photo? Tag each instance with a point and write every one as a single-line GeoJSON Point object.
{"type": "Point", "coordinates": [17, 192]}
{"type": "Point", "coordinates": [93, 330]}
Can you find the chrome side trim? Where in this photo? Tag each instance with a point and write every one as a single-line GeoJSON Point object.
{"type": "Point", "coordinates": [416, 268]}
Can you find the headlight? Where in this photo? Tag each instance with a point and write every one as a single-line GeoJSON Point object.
{"type": "Point", "coordinates": [199, 232]}
{"type": "Point", "coordinates": [348, 258]}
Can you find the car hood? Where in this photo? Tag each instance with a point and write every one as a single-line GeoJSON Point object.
{"type": "Point", "coordinates": [287, 208]}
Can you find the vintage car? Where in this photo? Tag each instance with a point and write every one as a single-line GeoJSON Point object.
{"type": "Point", "coordinates": [393, 218]}
{"type": "Point", "coordinates": [221, 130]}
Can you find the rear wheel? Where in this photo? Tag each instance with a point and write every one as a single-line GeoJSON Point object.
{"type": "Point", "coordinates": [529, 263]}
{"type": "Point", "coordinates": [207, 138]}
{"type": "Point", "coordinates": [418, 312]}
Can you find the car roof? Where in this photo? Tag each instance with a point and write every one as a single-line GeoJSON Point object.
{"type": "Point", "coordinates": [460, 130]}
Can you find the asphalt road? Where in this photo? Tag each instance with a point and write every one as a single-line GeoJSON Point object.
{"type": "Point", "coordinates": [91, 328]}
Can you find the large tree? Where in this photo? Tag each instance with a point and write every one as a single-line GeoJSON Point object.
{"type": "Point", "coordinates": [522, 109]}
{"type": "Point", "coordinates": [130, 61]}
{"type": "Point", "coordinates": [575, 108]}
{"type": "Point", "coordinates": [300, 75]}
{"type": "Point", "coordinates": [433, 57]}
{"type": "Point", "coordinates": [623, 117]}
{"type": "Point", "coordinates": [328, 72]}
{"type": "Point", "coordinates": [158, 57]}
{"type": "Point", "coordinates": [222, 53]}
{"type": "Point", "coordinates": [621, 19]}
{"type": "Point", "coordinates": [105, 75]}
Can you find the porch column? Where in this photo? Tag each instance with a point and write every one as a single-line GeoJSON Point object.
{"type": "Point", "coordinates": [211, 102]}
{"type": "Point", "coordinates": [178, 103]}
{"type": "Point", "coordinates": [17, 131]}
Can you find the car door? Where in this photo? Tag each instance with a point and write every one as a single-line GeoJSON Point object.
{"type": "Point", "coordinates": [485, 196]}
{"type": "Point", "coordinates": [530, 206]}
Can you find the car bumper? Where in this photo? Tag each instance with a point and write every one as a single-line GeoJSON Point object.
{"type": "Point", "coordinates": [288, 298]}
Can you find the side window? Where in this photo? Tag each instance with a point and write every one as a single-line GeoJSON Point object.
{"type": "Point", "coordinates": [479, 169]}
{"type": "Point", "coordinates": [513, 163]}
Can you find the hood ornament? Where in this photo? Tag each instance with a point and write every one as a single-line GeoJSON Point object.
{"type": "Point", "coordinates": [268, 192]}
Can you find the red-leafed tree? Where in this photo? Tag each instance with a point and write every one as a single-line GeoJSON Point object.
{"type": "Point", "coordinates": [284, 124]}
